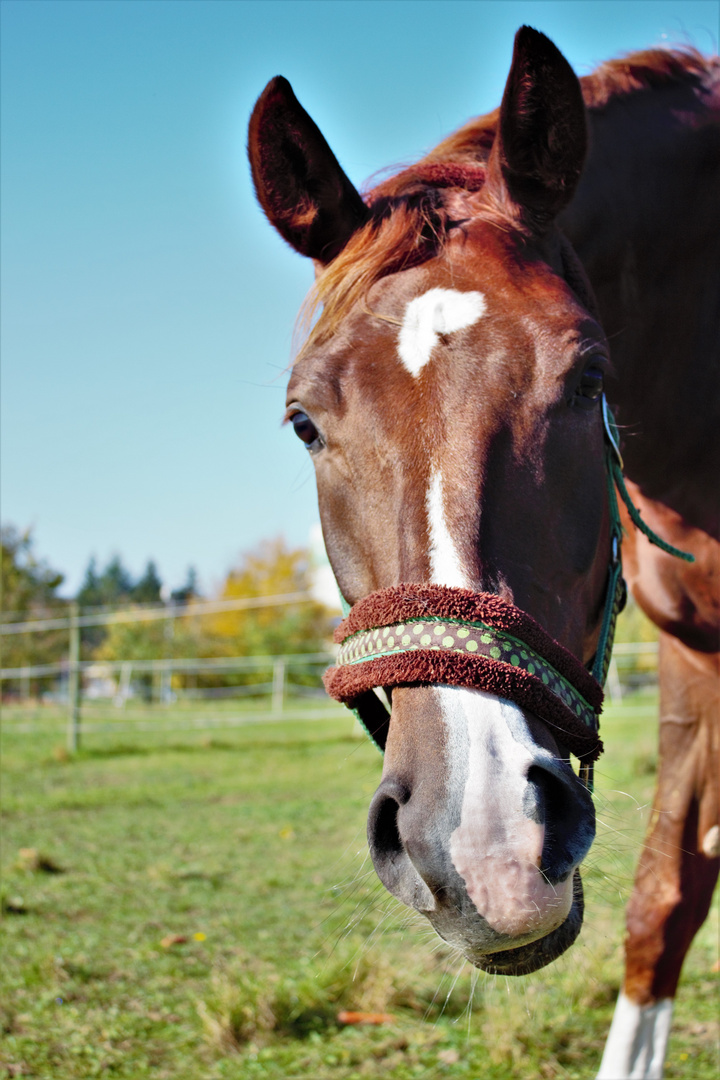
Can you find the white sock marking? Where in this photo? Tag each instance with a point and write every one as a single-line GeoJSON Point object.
{"type": "Point", "coordinates": [636, 1044]}
{"type": "Point", "coordinates": [438, 311]}
{"type": "Point", "coordinates": [711, 842]}
{"type": "Point", "coordinates": [445, 565]}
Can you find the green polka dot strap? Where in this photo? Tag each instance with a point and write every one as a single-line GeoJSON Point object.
{"type": "Point", "coordinates": [470, 639]}
{"type": "Point", "coordinates": [432, 634]}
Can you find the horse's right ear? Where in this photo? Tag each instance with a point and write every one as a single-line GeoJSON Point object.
{"type": "Point", "coordinates": [539, 149]}
{"type": "Point", "coordinates": [298, 180]}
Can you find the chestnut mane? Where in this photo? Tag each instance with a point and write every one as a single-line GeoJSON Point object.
{"type": "Point", "coordinates": [408, 221]}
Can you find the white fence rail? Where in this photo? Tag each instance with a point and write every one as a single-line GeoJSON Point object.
{"type": "Point", "coordinates": [633, 666]}
{"type": "Point", "coordinates": [71, 670]}
{"type": "Point", "coordinates": [148, 613]}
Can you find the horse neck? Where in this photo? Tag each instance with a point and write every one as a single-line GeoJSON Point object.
{"type": "Point", "coordinates": [646, 225]}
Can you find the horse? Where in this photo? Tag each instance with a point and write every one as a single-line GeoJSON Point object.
{"type": "Point", "coordinates": [482, 326]}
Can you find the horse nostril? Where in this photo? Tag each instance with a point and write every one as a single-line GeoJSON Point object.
{"type": "Point", "coordinates": [392, 862]}
{"type": "Point", "coordinates": [383, 832]}
{"type": "Point", "coordinates": [386, 845]}
{"type": "Point", "coordinates": [568, 814]}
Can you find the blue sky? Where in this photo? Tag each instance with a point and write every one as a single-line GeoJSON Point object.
{"type": "Point", "coordinates": [147, 307]}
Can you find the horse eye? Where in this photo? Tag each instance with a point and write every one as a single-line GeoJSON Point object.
{"type": "Point", "coordinates": [591, 384]}
{"type": "Point", "coordinates": [304, 428]}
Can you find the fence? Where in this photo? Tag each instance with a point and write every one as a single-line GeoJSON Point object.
{"type": "Point", "coordinates": [116, 680]}
{"type": "Point", "coordinates": [282, 687]}
{"type": "Point", "coordinates": [275, 683]}
{"type": "Point", "coordinates": [633, 666]}
{"type": "Point", "coordinates": [72, 669]}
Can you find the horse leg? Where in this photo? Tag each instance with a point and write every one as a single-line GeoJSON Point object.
{"type": "Point", "coordinates": [678, 867]}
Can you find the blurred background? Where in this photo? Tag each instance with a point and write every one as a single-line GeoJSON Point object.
{"type": "Point", "coordinates": [147, 307]}
{"type": "Point", "coordinates": [183, 872]}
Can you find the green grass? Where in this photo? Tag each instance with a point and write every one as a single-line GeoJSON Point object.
{"type": "Point", "coordinates": [249, 843]}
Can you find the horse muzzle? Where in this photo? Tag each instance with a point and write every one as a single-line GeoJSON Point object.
{"type": "Point", "coordinates": [483, 834]}
{"type": "Point", "coordinates": [479, 822]}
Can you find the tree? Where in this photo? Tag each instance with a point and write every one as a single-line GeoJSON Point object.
{"type": "Point", "coordinates": [29, 591]}
{"type": "Point", "coordinates": [159, 639]}
{"type": "Point", "coordinates": [111, 587]}
{"type": "Point", "coordinates": [187, 592]}
{"type": "Point", "coordinates": [28, 583]}
{"type": "Point", "coordinates": [272, 569]}
{"type": "Point", "coordinates": [147, 589]}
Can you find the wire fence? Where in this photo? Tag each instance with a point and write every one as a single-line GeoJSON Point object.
{"type": "Point", "coordinates": [119, 682]}
{"type": "Point", "coordinates": [147, 613]}
{"type": "Point", "coordinates": [164, 694]}
{"type": "Point", "coordinates": [193, 694]}
{"type": "Point", "coordinates": [156, 679]}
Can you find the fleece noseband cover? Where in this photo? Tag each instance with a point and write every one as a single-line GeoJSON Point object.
{"type": "Point", "coordinates": [417, 635]}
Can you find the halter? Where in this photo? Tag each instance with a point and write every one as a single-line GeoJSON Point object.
{"type": "Point", "coordinates": [434, 634]}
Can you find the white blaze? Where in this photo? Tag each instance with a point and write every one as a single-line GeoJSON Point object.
{"type": "Point", "coordinates": [435, 312]}
{"type": "Point", "coordinates": [445, 565]}
{"type": "Point", "coordinates": [438, 311]}
{"type": "Point", "coordinates": [496, 847]}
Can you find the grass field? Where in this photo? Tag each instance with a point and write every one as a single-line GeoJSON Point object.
{"type": "Point", "coordinates": [198, 906]}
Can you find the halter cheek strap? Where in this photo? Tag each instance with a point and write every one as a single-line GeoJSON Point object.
{"type": "Point", "coordinates": [616, 592]}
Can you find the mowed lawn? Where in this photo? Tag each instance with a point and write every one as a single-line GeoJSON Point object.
{"type": "Point", "coordinates": [192, 905]}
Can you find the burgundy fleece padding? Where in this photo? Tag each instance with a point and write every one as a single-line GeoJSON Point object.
{"type": "Point", "coordinates": [430, 666]}
{"type": "Point", "coordinates": [401, 603]}
{"type": "Point", "coordinates": [404, 603]}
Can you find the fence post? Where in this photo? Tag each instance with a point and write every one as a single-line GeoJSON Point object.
{"type": "Point", "coordinates": [73, 729]}
{"type": "Point", "coordinates": [124, 682]}
{"type": "Point", "coordinates": [278, 693]}
{"type": "Point", "coordinates": [168, 634]}
{"type": "Point", "coordinates": [614, 685]}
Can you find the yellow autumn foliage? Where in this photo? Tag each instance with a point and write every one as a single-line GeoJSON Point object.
{"type": "Point", "coordinates": [271, 569]}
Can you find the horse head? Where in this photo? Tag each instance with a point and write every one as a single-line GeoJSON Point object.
{"type": "Point", "coordinates": [450, 396]}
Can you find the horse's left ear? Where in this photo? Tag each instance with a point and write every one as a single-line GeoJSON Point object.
{"type": "Point", "coordinates": [299, 183]}
{"type": "Point", "coordinates": [539, 150]}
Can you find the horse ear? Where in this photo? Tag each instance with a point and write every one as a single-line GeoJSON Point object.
{"type": "Point", "coordinates": [539, 149]}
{"type": "Point", "coordinates": [299, 183]}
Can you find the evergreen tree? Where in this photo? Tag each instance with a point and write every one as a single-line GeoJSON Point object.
{"type": "Point", "coordinates": [113, 586]}
{"type": "Point", "coordinates": [89, 594]}
{"type": "Point", "coordinates": [147, 589]}
{"type": "Point", "coordinates": [187, 592]}
{"type": "Point", "coordinates": [110, 588]}
{"type": "Point", "coordinates": [116, 583]}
